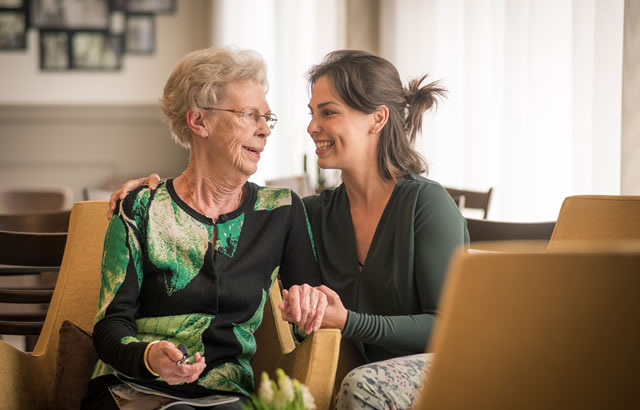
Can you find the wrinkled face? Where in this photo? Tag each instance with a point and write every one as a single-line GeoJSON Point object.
{"type": "Point", "coordinates": [235, 141]}
{"type": "Point", "coordinates": [341, 133]}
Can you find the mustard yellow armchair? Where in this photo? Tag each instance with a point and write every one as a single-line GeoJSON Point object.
{"type": "Point", "coordinates": [533, 329]}
{"type": "Point", "coordinates": [28, 379]}
{"type": "Point", "coordinates": [598, 217]}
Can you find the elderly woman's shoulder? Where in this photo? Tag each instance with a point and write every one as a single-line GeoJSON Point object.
{"type": "Point", "coordinates": [269, 198]}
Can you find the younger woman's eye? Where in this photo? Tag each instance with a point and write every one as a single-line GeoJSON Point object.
{"type": "Point", "coordinates": [327, 113]}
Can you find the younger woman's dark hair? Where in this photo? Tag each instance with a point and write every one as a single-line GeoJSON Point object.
{"type": "Point", "coordinates": [365, 81]}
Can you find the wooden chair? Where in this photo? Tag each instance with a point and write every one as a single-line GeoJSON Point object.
{"type": "Point", "coordinates": [482, 231]}
{"type": "Point", "coordinates": [538, 330]}
{"type": "Point", "coordinates": [598, 217]}
{"type": "Point", "coordinates": [56, 221]}
{"type": "Point", "coordinates": [34, 244]}
{"type": "Point", "coordinates": [28, 379]}
{"type": "Point", "coordinates": [473, 199]}
{"type": "Point", "coordinates": [33, 199]}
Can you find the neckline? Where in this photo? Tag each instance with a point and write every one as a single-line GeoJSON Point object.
{"type": "Point", "coordinates": [361, 265]}
{"type": "Point", "coordinates": [222, 218]}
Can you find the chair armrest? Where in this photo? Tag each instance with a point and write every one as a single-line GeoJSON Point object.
{"type": "Point", "coordinates": [314, 363]}
{"type": "Point", "coordinates": [21, 388]}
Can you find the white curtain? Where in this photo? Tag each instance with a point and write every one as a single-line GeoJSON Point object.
{"type": "Point", "coordinates": [534, 98]}
{"type": "Point", "coordinates": [291, 35]}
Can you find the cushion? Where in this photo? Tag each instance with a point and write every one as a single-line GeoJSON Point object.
{"type": "Point", "coordinates": [74, 365]}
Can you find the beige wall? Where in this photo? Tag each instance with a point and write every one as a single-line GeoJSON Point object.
{"type": "Point", "coordinates": [630, 178]}
{"type": "Point", "coordinates": [84, 128]}
{"type": "Point", "coordinates": [139, 82]}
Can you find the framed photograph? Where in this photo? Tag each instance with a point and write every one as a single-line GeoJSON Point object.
{"type": "Point", "coordinates": [70, 14]}
{"type": "Point", "coordinates": [140, 34]}
{"type": "Point", "coordinates": [96, 50]}
{"type": "Point", "coordinates": [151, 6]}
{"type": "Point", "coordinates": [11, 3]}
{"type": "Point", "coordinates": [54, 51]}
{"type": "Point", "coordinates": [13, 30]}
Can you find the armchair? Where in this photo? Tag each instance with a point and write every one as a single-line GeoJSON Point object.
{"type": "Point", "coordinates": [29, 379]}
{"type": "Point", "coordinates": [529, 329]}
{"type": "Point", "coordinates": [598, 217]}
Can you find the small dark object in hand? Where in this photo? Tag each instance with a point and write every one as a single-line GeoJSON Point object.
{"type": "Point", "coordinates": [185, 354]}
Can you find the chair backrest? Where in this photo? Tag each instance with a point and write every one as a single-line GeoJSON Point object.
{"type": "Point", "coordinates": [300, 184]}
{"type": "Point", "coordinates": [538, 330]}
{"type": "Point", "coordinates": [598, 217]}
{"type": "Point", "coordinates": [57, 221]}
{"type": "Point", "coordinates": [473, 199]}
{"type": "Point", "coordinates": [483, 230]}
{"type": "Point", "coordinates": [32, 248]}
{"type": "Point", "coordinates": [32, 199]}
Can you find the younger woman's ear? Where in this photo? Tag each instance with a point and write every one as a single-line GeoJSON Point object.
{"type": "Point", "coordinates": [195, 121]}
{"type": "Point", "coordinates": [379, 118]}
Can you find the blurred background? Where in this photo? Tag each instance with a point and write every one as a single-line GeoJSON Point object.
{"type": "Point", "coordinates": [542, 102]}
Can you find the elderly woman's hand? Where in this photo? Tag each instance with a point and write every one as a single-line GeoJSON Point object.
{"type": "Point", "coordinates": [304, 306]}
{"type": "Point", "coordinates": [163, 359]}
{"type": "Point", "coordinates": [152, 180]}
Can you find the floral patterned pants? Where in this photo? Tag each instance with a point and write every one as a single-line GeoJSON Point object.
{"type": "Point", "coordinates": [388, 384]}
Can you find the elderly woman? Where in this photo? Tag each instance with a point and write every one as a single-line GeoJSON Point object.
{"type": "Point", "coordinates": [192, 262]}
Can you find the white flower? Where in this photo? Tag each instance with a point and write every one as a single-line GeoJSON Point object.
{"type": "Point", "coordinates": [307, 399]}
{"type": "Point", "coordinates": [285, 385]}
{"type": "Point", "coordinates": [265, 391]}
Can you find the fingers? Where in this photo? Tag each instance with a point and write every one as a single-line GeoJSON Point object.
{"type": "Point", "coordinates": [153, 181]}
{"type": "Point", "coordinates": [320, 311]}
{"type": "Point", "coordinates": [163, 358]}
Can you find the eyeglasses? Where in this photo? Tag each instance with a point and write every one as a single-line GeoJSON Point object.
{"type": "Point", "coordinates": [249, 114]}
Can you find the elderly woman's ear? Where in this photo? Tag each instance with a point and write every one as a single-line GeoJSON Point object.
{"type": "Point", "coordinates": [195, 119]}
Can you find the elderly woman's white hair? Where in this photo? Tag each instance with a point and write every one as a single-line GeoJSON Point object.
{"type": "Point", "coordinates": [200, 79]}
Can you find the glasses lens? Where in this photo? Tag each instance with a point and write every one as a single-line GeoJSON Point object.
{"type": "Point", "coordinates": [271, 120]}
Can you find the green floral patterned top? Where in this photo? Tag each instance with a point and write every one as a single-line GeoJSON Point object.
{"type": "Point", "coordinates": [164, 279]}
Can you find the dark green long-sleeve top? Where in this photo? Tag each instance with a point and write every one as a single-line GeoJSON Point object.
{"type": "Point", "coordinates": [393, 301]}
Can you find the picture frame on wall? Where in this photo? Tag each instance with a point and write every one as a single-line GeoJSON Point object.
{"type": "Point", "coordinates": [11, 3]}
{"type": "Point", "coordinates": [140, 34]}
{"type": "Point", "coordinates": [80, 50]}
{"type": "Point", "coordinates": [54, 50]}
{"type": "Point", "coordinates": [70, 14]}
{"type": "Point", "coordinates": [13, 30]}
{"type": "Point", "coordinates": [150, 6]}
{"type": "Point", "coordinates": [96, 50]}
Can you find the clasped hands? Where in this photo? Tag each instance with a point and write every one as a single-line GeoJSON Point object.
{"type": "Point", "coordinates": [312, 308]}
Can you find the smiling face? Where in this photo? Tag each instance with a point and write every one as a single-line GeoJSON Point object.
{"type": "Point", "coordinates": [341, 133]}
{"type": "Point", "coordinates": [233, 141]}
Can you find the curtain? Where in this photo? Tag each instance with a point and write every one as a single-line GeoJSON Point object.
{"type": "Point", "coordinates": [534, 99]}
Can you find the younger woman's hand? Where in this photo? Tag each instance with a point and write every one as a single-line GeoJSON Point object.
{"type": "Point", "coordinates": [335, 316]}
{"type": "Point", "coordinates": [163, 359]}
{"type": "Point", "coordinates": [152, 180]}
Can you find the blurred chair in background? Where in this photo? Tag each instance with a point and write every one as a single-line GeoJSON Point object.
{"type": "Point", "coordinates": [598, 217]}
{"type": "Point", "coordinates": [33, 199]}
{"type": "Point", "coordinates": [483, 231]}
{"type": "Point", "coordinates": [472, 199]}
{"type": "Point", "coordinates": [300, 184]}
{"type": "Point", "coordinates": [27, 255]}
{"type": "Point", "coordinates": [34, 221]}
